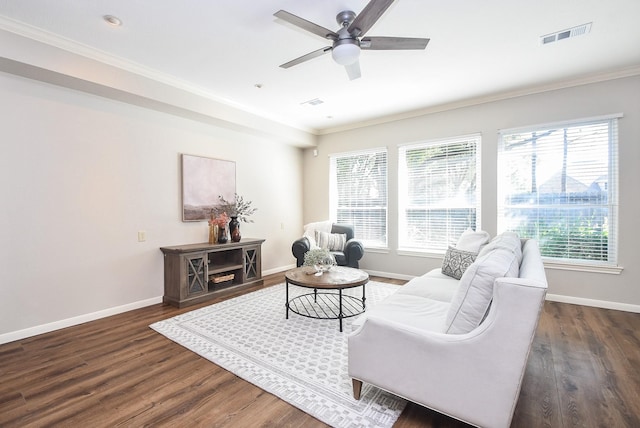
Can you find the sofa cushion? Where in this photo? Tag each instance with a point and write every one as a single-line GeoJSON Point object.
{"type": "Point", "coordinates": [432, 285]}
{"type": "Point", "coordinates": [456, 261]}
{"type": "Point", "coordinates": [472, 240]}
{"type": "Point", "coordinates": [417, 312]}
{"type": "Point", "coordinates": [475, 293]}
{"type": "Point", "coordinates": [506, 240]}
{"type": "Point", "coordinates": [331, 241]}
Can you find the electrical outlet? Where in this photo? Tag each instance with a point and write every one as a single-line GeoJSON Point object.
{"type": "Point", "coordinates": [142, 236]}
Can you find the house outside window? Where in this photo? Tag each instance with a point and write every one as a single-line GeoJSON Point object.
{"type": "Point", "coordinates": [438, 192]}
{"type": "Point", "coordinates": [558, 184]}
{"type": "Point", "coordinates": [358, 194]}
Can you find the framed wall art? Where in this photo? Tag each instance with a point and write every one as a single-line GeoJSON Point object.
{"type": "Point", "coordinates": [203, 181]}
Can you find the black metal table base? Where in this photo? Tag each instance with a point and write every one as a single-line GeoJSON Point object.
{"type": "Point", "coordinates": [326, 305]}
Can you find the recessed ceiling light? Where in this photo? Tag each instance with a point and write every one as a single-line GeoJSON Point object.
{"type": "Point", "coordinates": [112, 20]}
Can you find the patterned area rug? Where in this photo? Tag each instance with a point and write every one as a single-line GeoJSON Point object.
{"type": "Point", "coordinates": [301, 360]}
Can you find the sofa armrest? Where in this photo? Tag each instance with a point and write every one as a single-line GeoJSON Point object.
{"type": "Point", "coordinates": [353, 251]}
{"type": "Point", "coordinates": [299, 248]}
{"type": "Point", "coordinates": [474, 377]}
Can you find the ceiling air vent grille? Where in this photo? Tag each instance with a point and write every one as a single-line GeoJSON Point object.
{"type": "Point", "coordinates": [565, 34]}
{"type": "Point", "coordinates": [313, 102]}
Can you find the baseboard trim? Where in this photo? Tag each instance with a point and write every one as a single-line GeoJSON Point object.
{"type": "Point", "coordinates": [389, 274]}
{"type": "Point", "coordinates": [278, 269]}
{"type": "Point", "coordinates": [603, 304]}
{"type": "Point", "coordinates": [69, 322]}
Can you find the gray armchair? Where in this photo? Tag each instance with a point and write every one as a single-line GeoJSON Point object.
{"type": "Point", "coordinates": [352, 253]}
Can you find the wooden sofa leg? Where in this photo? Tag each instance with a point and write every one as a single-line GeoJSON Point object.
{"type": "Point", "coordinates": [357, 387]}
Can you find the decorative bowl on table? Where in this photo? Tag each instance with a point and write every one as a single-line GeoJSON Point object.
{"type": "Point", "coordinates": [325, 264]}
{"type": "Point", "coordinates": [320, 259]}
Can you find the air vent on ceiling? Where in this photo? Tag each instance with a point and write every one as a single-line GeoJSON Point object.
{"type": "Point", "coordinates": [565, 34]}
{"type": "Point", "coordinates": [313, 102]}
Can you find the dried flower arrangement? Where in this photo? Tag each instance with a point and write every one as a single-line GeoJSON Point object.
{"type": "Point", "coordinates": [239, 208]}
{"type": "Point", "coordinates": [220, 219]}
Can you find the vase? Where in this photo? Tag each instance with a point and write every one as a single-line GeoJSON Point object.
{"type": "Point", "coordinates": [234, 229]}
{"type": "Point", "coordinates": [213, 233]}
{"type": "Point", "coordinates": [222, 235]}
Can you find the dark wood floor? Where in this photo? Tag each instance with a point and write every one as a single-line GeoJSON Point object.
{"type": "Point", "coordinates": [584, 370]}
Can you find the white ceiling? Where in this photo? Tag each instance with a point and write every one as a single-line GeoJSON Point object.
{"type": "Point", "coordinates": [478, 49]}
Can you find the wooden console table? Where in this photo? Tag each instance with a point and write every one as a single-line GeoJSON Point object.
{"type": "Point", "coordinates": [194, 273]}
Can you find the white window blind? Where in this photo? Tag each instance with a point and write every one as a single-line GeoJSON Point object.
{"type": "Point", "coordinates": [358, 194]}
{"type": "Point", "coordinates": [558, 184]}
{"type": "Point", "coordinates": [438, 192]}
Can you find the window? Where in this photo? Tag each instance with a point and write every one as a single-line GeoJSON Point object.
{"type": "Point", "coordinates": [358, 194]}
{"type": "Point", "coordinates": [438, 192]}
{"type": "Point", "coordinates": [558, 184]}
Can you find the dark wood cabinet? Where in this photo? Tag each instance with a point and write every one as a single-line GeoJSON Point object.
{"type": "Point", "coordinates": [197, 272]}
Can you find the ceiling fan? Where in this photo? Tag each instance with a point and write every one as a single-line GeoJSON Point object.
{"type": "Point", "coordinates": [349, 40]}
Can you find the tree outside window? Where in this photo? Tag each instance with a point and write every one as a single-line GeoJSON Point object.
{"type": "Point", "coordinates": [557, 185]}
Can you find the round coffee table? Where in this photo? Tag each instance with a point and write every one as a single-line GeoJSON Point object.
{"type": "Point", "coordinates": [326, 304]}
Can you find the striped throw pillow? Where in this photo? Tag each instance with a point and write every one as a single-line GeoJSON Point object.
{"type": "Point", "coordinates": [331, 241]}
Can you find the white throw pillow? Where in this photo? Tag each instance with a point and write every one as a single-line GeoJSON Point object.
{"type": "Point", "coordinates": [471, 240]}
{"type": "Point", "coordinates": [312, 240]}
{"type": "Point", "coordinates": [475, 293]}
{"type": "Point", "coordinates": [322, 226]}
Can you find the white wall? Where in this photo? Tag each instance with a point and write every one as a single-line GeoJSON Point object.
{"type": "Point", "coordinates": [80, 175]}
{"type": "Point", "coordinates": [614, 96]}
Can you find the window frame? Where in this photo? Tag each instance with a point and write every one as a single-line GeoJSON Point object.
{"type": "Point", "coordinates": [610, 265]}
{"type": "Point", "coordinates": [437, 250]}
{"type": "Point", "coordinates": [334, 203]}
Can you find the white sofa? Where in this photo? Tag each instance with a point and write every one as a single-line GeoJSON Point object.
{"type": "Point", "coordinates": [459, 347]}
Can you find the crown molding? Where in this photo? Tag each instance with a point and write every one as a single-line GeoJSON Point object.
{"type": "Point", "coordinates": [57, 41]}
{"type": "Point", "coordinates": [74, 47]}
{"type": "Point", "coordinates": [530, 90]}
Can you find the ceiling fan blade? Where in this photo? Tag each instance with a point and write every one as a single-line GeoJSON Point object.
{"type": "Point", "coordinates": [307, 57]}
{"type": "Point", "coordinates": [353, 70]}
{"type": "Point", "coordinates": [392, 43]}
{"type": "Point", "coordinates": [319, 30]}
{"type": "Point", "coordinates": [369, 15]}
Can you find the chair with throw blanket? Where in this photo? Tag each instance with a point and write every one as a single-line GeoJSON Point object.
{"type": "Point", "coordinates": [337, 238]}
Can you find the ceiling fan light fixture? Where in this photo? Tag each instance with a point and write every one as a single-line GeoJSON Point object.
{"type": "Point", "coordinates": [348, 40]}
{"type": "Point", "coordinates": [346, 53]}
